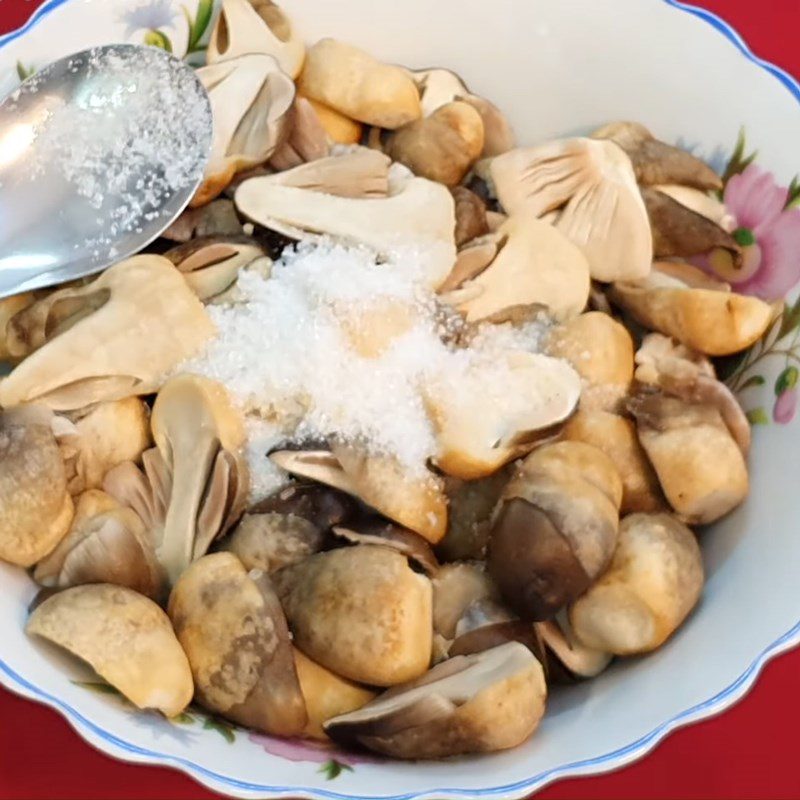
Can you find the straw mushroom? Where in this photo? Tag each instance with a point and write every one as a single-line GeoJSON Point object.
{"type": "Point", "coordinates": [654, 581]}
{"type": "Point", "coordinates": [36, 509]}
{"type": "Point", "coordinates": [194, 486]}
{"type": "Point", "coordinates": [100, 355]}
{"type": "Point", "coordinates": [415, 209]}
{"type": "Point", "coordinates": [251, 100]}
{"type": "Point", "coordinates": [566, 658]}
{"type": "Point", "coordinates": [655, 162]}
{"type": "Point", "coordinates": [535, 263]}
{"type": "Point", "coordinates": [337, 126]}
{"type": "Point", "coordinates": [230, 623]}
{"type": "Point", "coordinates": [699, 464]}
{"type": "Point", "coordinates": [374, 530]}
{"type": "Point", "coordinates": [470, 704]}
{"type": "Point", "coordinates": [600, 349]}
{"type": "Point", "coordinates": [479, 430]}
{"type": "Point", "coordinates": [218, 218]}
{"type": "Point", "coordinates": [470, 215]}
{"type": "Point", "coordinates": [592, 186]}
{"type": "Point", "coordinates": [359, 86]}
{"type": "Point", "coordinates": [255, 26]}
{"type": "Point", "coordinates": [10, 307]}
{"type": "Point", "coordinates": [126, 638]}
{"type": "Point", "coordinates": [442, 146]}
{"type": "Point", "coordinates": [681, 301]}
{"type": "Point", "coordinates": [616, 436]}
{"type": "Point", "coordinates": [307, 140]}
{"type": "Point", "coordinates": [361, 612]}
{"type": "Point", "coordinates": [320, 505]}
{"type": "Point", "coordinates": [555, 528]}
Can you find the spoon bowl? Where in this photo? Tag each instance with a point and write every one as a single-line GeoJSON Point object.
{"type": "Point", "coordinates": [99, 152]}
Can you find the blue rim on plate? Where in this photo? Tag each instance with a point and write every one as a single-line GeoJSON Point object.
{"type": "Point", "coordinates": [603, 763]}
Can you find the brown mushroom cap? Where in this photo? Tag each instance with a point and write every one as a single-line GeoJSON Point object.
{"type": "Point", "coordinates": [233, 630]}
{"type": "Point", "coordinates": [470, 215]}
{"type": "Point", "coordinates": [362, 612]}
{"type": "Point", "coordinates": [307, 140]}
{"type": "Point", "coordinates": [9, 308]}
{"type": "Point", "coordinates": [126, 638]}
{"type": "Point", "coordinates": [654, 581]}
{"type": "Point", "coordinates": [470, 704]}
{"type": "Point", "coordinates": [555, 529]}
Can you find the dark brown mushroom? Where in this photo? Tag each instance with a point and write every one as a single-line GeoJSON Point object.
{"type": "Point", "coordinates": [470, 215]}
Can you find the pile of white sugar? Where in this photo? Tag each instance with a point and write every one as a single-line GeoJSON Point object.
{"type": "Point", "coordinates": [334, 344]}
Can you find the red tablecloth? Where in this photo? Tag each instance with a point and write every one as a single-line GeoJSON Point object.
{"type": "Point", "coordinates": [749, 752]}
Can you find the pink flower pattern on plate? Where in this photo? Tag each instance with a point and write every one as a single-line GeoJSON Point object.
{"type": "Point", "coordinates": [309, 750]}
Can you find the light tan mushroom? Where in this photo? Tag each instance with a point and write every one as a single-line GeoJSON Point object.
{"type": "Point", "coordinates": [307, 141]}
{"type": "Point", "coordinates": [654, 581]}
{"type": "Point", "coordinates": [106, 544]}
{"type": "Point", "coordinates": [36, 509]}
{"type": "Point", "coordinates": [195, 485]}
{"type": "Point", "coordinates": [361, 612]}
{"type": "Point", "coordinates": [339, 127]}
{"type": "Point", "coordinates": [256, 26]}
{"type": "Point", "coordinates": [478, 429]}
{"type": "Point", "coordinates": [212, 264]}
{"type": "Point", "coordinates": [456, 588]}
{"type": "Point", "coordinates": [326, 695]}
{"type": "Point", "coordinates": [535, 263]}
{"type": "Point", "coordinates": [600, 349]}
{"type": "Point", "coordinates": [359, 86]}
{"type": "Point", "coordinates": [683, 302]}
{"type": "Point", "coordinates": [126, 638]}
{"type": "Point", "coordinates": [473, 259]}
{"type": "Point", "coordinates": [566, 658]}
{"type": "Point", "coordinates": [102, 355]}
{"type": "Point", "coordinates": [470, 704]}
{"type": "Point", "coordinates": [10, 307]}
{"type": "Point", "coordinates": [700, 466]}
{"type": "Point", "coordinates": [416, 210]}
{"type": "Point", "coordinates": [377, 531]}
{"type": "Point", "coordinates": [218, 218]}
{"type": "Point", "coordinates": [592, 185]}
{"type": "Point", "coordinates": [233, 630]}
{"type": "Point", "coordinates": [251, 100]}
{"type": "Point", "coordinates": [655, 162]}
{"type": "Point", "coordinates": [416, 502]}
{"type": "Point", "coordinates": [555, 529]}
{"type": "Point", "coordinates": [442, 146]}
{"type": "Point", "coordinates": [616, 436]}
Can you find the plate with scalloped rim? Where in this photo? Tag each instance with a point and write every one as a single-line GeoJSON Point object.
{"type": "Point", "coordinates": [555, 68]}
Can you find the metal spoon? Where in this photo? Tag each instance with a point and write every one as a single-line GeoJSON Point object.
{"type": "Point", "coordinates": [99, 152]}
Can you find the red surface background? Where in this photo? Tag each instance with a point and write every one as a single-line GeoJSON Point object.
{"type": "Point", "coordinates": [749, 752]}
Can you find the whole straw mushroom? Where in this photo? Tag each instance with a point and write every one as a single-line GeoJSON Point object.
{"type": "Point", "coordinates": [555, 528]}
{"type": "Point", "coordinates": [127, 640]}
{"type": "Point", "coordinates": [9, 308]}
{"type": "Point", "coordinates": [361, 612]}
{"type": "Point", "coordinates": [681, 301]}
{"type": "Point", "coordinates": [470, 215]}
{"type": "Point", "coordinates": [340, 128]}
{"type": "Point", "coordinates": [654, 581]}
{"type": "Point", "coordinates": [230, 623]}
{"type": "Point", "coordinates": [469, 704]}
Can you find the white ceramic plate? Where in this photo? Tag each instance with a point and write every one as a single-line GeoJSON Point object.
{"type": "Point", "coordinates": [556, 66]}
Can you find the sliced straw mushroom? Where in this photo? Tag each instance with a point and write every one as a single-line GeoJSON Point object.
{"type": "Point", "coordinates": [457, 587]}
{"type": "Point", "coordinates": [415, 210]}
{"type": "Point", "coordinates": [35, 507]}
{"type": "Point", "coordinates": [616, 436]}
{"type": "Point", "coordinates": [683, 302]}
{"type": "Point", "coordinates": [361, 612]}
{"type": "Point", "coordinates": [218, 218]}
{"type": "Point", "coordinates": [681, 372]}
{"type": "Point", "coordinates": [600, 349]}
{"type": "Point", "coordinates": [535, 264]}
{"type": "Point", "coordinates": [307, 140]}
{"type": "Point", "coordinates": [127, 640]}
{"type": "Point", "coordinates": [101, 355]}
{"type": "Point", "coordinates": [699, 464]}
{"type": "Point", "coordinates": [706, 204]}
{"type": "Point", "coordinates": [470, 262]}
{"type": "Point", "coordinates": [498, 135]}
{"type": "Point", "coordinates": [251, 100]}
{"type": "Point", "coordinates": [593, 185]}
{"type": "Point", "coordinates": [386, 534]}
{"type": "Point", "coordinates": [441, 147]}
{"type": "Point", "coordinates": [477, 640]}
{"type": "Point", "coordinates": [320, 505]}
{"type": "Point", "coordinates": [195, 485]}
{"type": "Point", "coordinates": [271, 541]}
{"type": "Point", "coordinates": [233, 630]}
{"type": "Point", "coordinates": [106, 544]}
{"type": "Point", "coordinates": [654, 581]}
{"type": "Point", "coordinates": [9, 308]}
{"type": "Point", "coordinates": [359, 86]}
{"type": "Point", "coordinates": [566, 658]}
{"type": "Point", "coordinates": [415, 502]}
{"type": "Point", "coordinates": [479, 429]}
{"type": "Point", "coordinates": [211, 265]}
{"type": "Point", "coordinates": [681, 231]}
{"type": "Point", "coordinates": [470, 215]}
{"type": "Point", "coordinates": [555, 529]}
{"type": "Point", "coordinates": [255, 26]}
{"type": "Point", "coordinates": [100, 437]}
{"type": "Point", "coordinates": [655, 162]}
{"type": "Point", "coordinates": [340, 128]}
{"type": "Point", "coordinates": [470, 704]}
